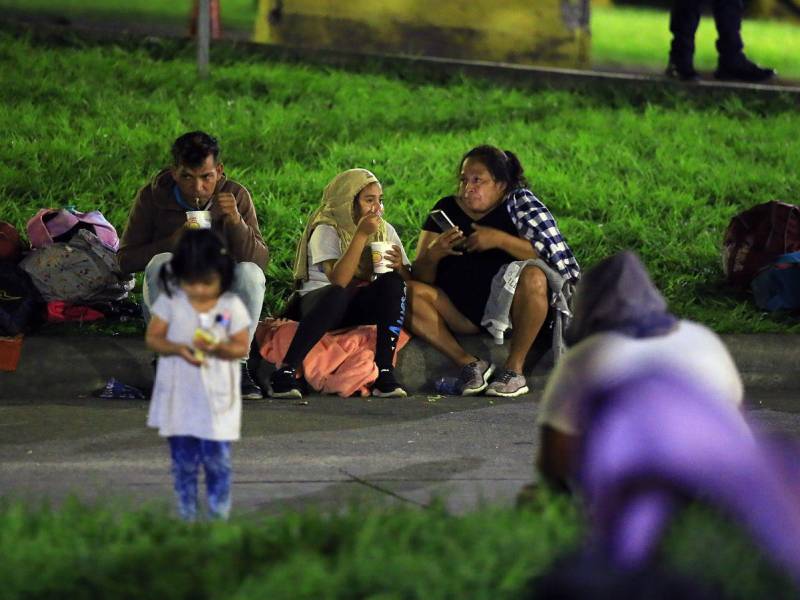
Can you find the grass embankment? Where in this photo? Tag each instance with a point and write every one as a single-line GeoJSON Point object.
{"type": "Point", "coordinates": [622, 37]}
{"type": "Point", "coordinates": [78, 552]}
{"type": "Point", "coordinates": [89, 125]}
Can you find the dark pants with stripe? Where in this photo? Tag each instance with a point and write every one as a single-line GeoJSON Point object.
{"type": "Point", "coordinates": [382, 302]}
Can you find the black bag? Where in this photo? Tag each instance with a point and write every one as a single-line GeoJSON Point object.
{"type": "Point", "coordinates": [20, 302]}
{"type": "Point", "coordinates": [756, 237]}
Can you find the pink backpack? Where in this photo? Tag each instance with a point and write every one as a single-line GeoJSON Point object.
{"type": "Point", "coordinates": [48, 225]}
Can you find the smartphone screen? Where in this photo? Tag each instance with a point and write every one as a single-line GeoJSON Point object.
{"type": "Point", "coordinates": [442, 220]}
{"type": "Point", "coordinates": [445, 224]}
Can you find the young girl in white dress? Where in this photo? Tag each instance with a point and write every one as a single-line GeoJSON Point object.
{"type": "Point", "coordinates": [200, 331]}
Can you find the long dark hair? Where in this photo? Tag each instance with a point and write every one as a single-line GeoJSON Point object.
{"type": "Point", "coordinates": [200, 253]}
{"type": "Point", "coordinates": [502, 164]}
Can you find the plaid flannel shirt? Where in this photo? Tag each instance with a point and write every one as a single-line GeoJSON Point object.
{"type": "Point", "coordinates": [535, 223]}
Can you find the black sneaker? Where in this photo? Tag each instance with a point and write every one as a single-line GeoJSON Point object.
{"type": "Point", "coordinates": [250, 389]}
{"type": "Point", "coordinates": [739, 68]}
{"type": "Point", "coordinates": [283, 383]}
{"type": "Point", "coordinates": [386, 385]}
{"type": "Point", "coordinates": [681, 71]}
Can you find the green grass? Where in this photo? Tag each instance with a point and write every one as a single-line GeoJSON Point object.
{"type": "Point", "coordinates": [237, 14]}
{"type": "Point", "coordinates": [82, 552]}
{"type": "Point", "coordinates": [89, 125]}
{"type": "Point", "coordinates": [637, 37]}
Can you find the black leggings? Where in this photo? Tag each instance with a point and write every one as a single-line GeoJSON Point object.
{"type": "Point", "coordinates": [382, 302]}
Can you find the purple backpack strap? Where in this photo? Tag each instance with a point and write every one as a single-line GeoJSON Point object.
{"type": "Point", "coordinates": [102, 228]}
{"type": "Point", "coordinates": [48, 223]}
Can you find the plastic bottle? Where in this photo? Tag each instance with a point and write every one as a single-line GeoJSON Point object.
{"type": "Point", "coordinates": [448, 386]}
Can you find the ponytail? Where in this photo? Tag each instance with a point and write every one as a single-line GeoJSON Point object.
{"type": "Point", "coordinates": [503, 165]}
{"type": "Point", "coordinates": [515, 171]}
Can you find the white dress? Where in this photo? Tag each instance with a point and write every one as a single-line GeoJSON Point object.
{"type": "Point", "coordinates": [204, 402]}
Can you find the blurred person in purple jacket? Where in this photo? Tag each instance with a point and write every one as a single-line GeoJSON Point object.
{"type": "Point", "coordinates": [644, 411]}
{"type": "Point", "coordinates": [621, 328]}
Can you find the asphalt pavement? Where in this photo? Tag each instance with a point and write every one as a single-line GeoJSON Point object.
{"type": "Point", "coordinates": [326, 452]}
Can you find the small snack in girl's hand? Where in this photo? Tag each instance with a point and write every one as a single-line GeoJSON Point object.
{"type": "Point", "coordinates": [203, 335]}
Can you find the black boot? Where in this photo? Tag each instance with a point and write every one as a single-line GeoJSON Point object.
{"type": "Point", "coordinates": [739, 68]}
{"type": "Point", "coordinates": [681, 69]}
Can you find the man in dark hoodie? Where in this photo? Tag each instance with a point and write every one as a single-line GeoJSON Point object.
{"type": "Point", "coordinates": [196, 181]}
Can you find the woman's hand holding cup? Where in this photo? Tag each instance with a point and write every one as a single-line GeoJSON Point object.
{"type": "Point", "coordinates": [394, 258]}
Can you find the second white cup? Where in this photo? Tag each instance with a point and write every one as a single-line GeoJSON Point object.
{"type": "Point", "coordinates": [379, 262]}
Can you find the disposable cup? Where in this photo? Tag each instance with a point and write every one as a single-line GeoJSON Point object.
{"type": "Point", "coordinates": [379, 262]}
{"type": "Point", "coordinates": [198, 219]}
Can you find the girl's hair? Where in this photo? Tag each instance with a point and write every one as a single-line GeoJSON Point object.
{"type": "Point", "coordinates": [502, 164]}
{"type": "Point", "coordinates": [200, 253]}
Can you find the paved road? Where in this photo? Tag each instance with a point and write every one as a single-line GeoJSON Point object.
{"type": "Point", "coordinates": [326, 453]}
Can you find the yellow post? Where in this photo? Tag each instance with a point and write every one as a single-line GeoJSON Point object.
{"type": "Point", "coordinates": [552, 32]}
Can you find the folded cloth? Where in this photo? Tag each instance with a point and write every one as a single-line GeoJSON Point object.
{"type": "Point", "coordinates": [119, 391]}
{"type": "Point", "coordinates": [342, 362]}
{"type": "Point", "coordinates": [497, 314]}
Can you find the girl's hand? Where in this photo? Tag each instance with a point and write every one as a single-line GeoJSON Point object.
{"type": "Point", "coordinates": [395, 258]}
{"type": "Point", "coordinates": [444, 244]}
{"type": "Point", "coordinates": [204, 345]}
{"type": "Point", "coordinates": [187, 354]}
{"type": "Point", "coordinates": [483, 238]}
{"type": "Point", "coordinates": [368, 224]}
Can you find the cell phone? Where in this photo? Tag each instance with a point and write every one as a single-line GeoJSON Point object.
{"type": "Point", "coordinates": [445, 224]}
{"type": "Point", "coordinates": [442, 220]}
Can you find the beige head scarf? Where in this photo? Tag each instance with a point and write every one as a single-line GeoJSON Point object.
{"type": "Point", "coordinates": [338, 210]}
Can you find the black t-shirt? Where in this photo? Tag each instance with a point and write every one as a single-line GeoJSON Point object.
{"type": "Point", "coordinates": [467, 279]}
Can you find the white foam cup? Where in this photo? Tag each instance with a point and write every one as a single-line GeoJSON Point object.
{"type": "Point", "coordinates": [379, 262]}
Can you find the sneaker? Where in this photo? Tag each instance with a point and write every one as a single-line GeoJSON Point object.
{"type": "Point", "coordinates": [740, 68]}
{"type": "Point", "coordinates": [508, 384]}
{"type": "Point", "coordinates": [250, 390]}
{"type": "Point", "coordinates": [283, 383]}
{"type": "Point", "coordinates": [475, 377]}
{"type": "Point", "coordinates": [386, 385]}
{"type": "Point", "coordinates": [681, 71]}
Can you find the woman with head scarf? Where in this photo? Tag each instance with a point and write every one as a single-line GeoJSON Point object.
{"type": "Point", "coordinates": [335, 279]}
{"type": "Point", "coordinates": [622, 329]}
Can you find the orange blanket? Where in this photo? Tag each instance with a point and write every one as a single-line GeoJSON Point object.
{"type": "Point", "coordinates": [342, 362]}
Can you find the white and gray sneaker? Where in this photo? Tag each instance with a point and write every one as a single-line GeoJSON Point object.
{"type": "Point", "coordinates": [474, 377]}
{"type": "Point", "coordinates": [508, 384]}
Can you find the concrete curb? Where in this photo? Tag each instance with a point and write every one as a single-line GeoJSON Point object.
{"type": "Point", "coordinates": [77, 365]}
